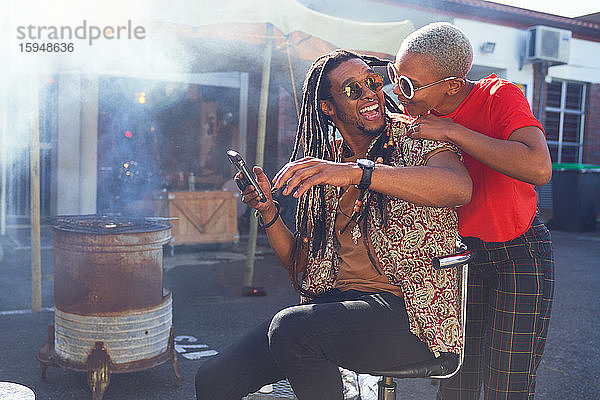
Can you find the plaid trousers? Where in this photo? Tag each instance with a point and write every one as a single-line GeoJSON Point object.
{"type": "Point", "coordinates": [511, 285]}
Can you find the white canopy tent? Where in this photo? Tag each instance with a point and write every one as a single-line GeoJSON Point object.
{"type": "Point", "coordinates": [290, 16]}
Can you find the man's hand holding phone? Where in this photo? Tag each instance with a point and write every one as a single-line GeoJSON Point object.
{"type": "Point", "coordinates": [255, 187]}
{"type": "Point", "coordinates": [244, 178]}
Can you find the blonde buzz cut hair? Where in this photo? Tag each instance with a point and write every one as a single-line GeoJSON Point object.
{"type": "Point", "coordinates": [449, 47]}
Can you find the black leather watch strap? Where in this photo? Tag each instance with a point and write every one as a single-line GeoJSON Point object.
{"type": "Point", "coordinates": [367, 167]}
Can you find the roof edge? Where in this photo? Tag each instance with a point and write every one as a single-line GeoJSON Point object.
{"type": "Point", "coordinates": [584, 27]}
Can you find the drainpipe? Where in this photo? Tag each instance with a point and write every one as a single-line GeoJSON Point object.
{"type": "Point", "coordinates": [543, 73]}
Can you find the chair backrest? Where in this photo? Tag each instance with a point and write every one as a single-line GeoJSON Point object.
{"type": "Point", "coordinates": [446, 365]}
{"type": "Point", "coordinates": [461, 260]}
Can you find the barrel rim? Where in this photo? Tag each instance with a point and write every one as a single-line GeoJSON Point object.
{"type": "Point", "coordinates": [64, 223]}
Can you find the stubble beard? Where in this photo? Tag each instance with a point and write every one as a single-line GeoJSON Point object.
{"type": "Point", "coordinates": [348, 120]}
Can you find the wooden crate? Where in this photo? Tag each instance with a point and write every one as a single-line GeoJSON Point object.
{"type": "Point", "coordinates": [204, 217]}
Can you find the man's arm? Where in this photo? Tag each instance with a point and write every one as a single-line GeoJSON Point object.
{"type": "Point", "coordinates": [524, 156]}
{"type": "Point", "coordinates": [442, 182]}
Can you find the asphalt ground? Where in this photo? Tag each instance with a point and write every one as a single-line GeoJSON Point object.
{"type": "Point", "coordinates": [208, 309]}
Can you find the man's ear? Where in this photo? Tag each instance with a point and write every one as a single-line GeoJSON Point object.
{"type": "Point", "coordinates": [454, 86]}
{"type": "Point", "coordinates": [327, 107]}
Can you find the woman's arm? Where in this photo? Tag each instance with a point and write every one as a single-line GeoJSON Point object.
{"type": "Point", "coordinates": [442, 182]}
{"type": "Point", "coordinates": [524, 156]}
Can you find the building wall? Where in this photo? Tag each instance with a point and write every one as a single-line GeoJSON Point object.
{"type": "Point", "coordinates": [591, 138]}
{"type": "Point", "coordinates": [510, 43]}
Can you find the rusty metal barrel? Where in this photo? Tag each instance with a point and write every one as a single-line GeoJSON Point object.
{"type": "Point", "coordinates": [112, 314]}
{"type": "Point", "coordinates": [108, 286]}
{"type": "Point", "coordinates": [128, 337]}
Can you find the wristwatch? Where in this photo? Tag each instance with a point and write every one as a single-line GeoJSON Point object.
{"type": "Point", "coordinates": [367, 167]}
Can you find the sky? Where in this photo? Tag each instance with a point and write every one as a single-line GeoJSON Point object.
{"type": "Point", "coordinates": [566, 8]}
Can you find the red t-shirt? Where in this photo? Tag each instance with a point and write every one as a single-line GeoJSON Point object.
{"type": "Point", "coordinates": [501, 208]}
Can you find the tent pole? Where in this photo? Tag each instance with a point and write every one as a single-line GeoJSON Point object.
{"type": "Point", "coordinates": [3, 166]}
{"type": "Point", "coordinates": [260, 149]}
{"type": "Point", "coordinates": [36, 260]}
{"type": "Point", "coordinates": [289, 57]}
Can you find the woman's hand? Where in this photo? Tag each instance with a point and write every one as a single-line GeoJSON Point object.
{"type": "Point", "coordinates": [432, 127]}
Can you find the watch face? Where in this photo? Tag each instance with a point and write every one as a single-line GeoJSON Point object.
{"type": "Point", "coordinates": [366, 163]}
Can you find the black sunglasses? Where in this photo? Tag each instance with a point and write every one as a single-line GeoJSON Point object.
{"type": "Point", "coordinates": [405, 84]}
{"type": "Point", "coordinates": [354, 90]}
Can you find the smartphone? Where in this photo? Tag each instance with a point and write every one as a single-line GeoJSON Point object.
{"type": "Point", "coordinates": [248, 177]}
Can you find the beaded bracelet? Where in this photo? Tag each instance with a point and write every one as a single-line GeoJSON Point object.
{"type": "Point", "coordinates": [260, 221]}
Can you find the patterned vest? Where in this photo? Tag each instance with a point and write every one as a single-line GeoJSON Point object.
{"type": "Point", "coordinates": [404, 247]}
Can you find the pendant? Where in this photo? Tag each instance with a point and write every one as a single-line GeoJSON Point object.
{"type": "Point", "coordinates": [356, 234]}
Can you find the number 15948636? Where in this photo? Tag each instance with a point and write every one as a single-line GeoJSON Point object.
{"type": "Point", "coordinates": [46, 47]}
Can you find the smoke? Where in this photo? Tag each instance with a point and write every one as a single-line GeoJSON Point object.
{"type": "Point", "coordinates": [93, 70]}
{"type": "Point", "coordinates": [100, 37]}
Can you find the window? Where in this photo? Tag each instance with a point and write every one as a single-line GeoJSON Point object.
{"type": "Point", "coordinates": [565, 109]}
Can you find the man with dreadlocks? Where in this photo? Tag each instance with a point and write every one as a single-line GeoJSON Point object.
{"type": "Point", "coordinates": [374, 208]}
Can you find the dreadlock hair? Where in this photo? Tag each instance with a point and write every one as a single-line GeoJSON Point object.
{"type": "Point", "coordinates": [316, 133]}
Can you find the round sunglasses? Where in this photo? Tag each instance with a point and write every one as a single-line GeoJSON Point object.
{"type": "Point", "coordinates": [405, 84]}
{"type": "Point", "coordinates": [354, 90]}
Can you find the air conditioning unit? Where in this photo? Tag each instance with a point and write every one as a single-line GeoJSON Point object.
{"type": "Point", "coordinates": [547, 44]}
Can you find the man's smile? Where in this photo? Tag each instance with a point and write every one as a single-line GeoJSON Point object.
{"type": "Point", "coordinates": [371, 112]}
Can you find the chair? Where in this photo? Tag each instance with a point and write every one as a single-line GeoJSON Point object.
{"type": "Point", "coordinates": [447, 364]}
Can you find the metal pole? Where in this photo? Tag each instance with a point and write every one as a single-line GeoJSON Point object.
{"type": "Point", "coordinates": [243, 125]}
{"type": "Point", "coordinates": [260, 149]}
{"type": "Point", "coordinates": [36, 259]}
{"type": "Point", "coordinates": [289, 57]}
{"type": "Point", "coordinates": [5, 83]}
{"type": "Point", "coordinates": [3, 168]}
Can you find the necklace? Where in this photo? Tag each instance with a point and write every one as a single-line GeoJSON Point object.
{"type": "Point", "coordinates": [342, 211]}
{"type": "Point", "coordinates": [388, 145]}
{"type": "Point", "coordinates": [356, 233]}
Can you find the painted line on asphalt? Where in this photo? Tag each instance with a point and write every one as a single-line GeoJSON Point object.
{"type": "Point", "coordinates": [19, 312]}
{"type": "Point", "coordinates": [594, 238]}
{"type": "Point", "coordinates": [199, 354]}
{"type": "Point", "coordinates": [186, 346]}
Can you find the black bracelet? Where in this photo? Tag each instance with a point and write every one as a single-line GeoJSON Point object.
{"type": "Point", "coordinates": [260, 221]}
